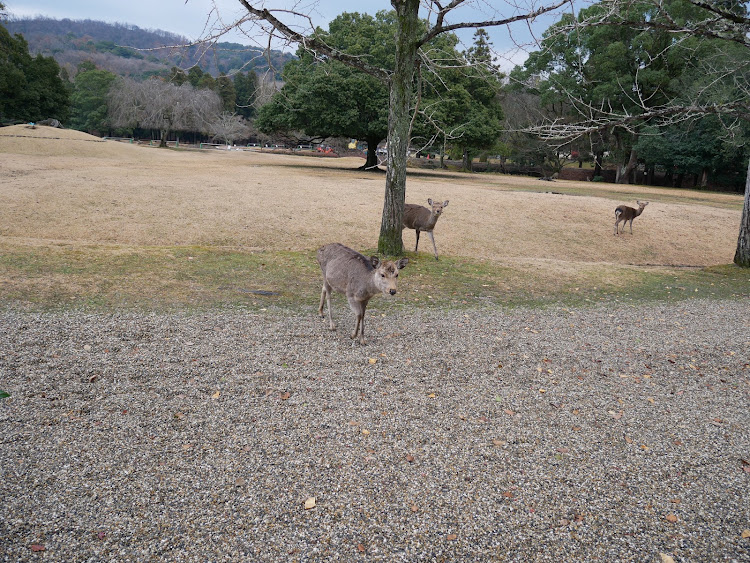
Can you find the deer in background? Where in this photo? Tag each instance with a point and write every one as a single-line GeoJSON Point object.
{"type": "Point", "coordinates": [359, 278]}
{"type": "Point", "coordinates": [624, 213]}
{"type": "Point", "coordinates": [420, 218]}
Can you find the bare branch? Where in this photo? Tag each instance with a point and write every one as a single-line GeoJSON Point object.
{"type": "Point", "coordinates": [441, 28]}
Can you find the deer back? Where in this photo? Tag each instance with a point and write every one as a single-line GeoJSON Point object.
{"type": "Point", "coordinates": [416, 216]}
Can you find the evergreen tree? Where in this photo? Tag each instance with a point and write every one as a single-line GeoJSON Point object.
{"type": "Point", "coordinates": [31, 88]}
{"type": "Point", "coordinates": [89, 99]}
{"type": "Point", "coordinates": [245, 87]}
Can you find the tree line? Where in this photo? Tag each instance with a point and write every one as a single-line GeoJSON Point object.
{"type": "Point", "coordinates": [100, 102]}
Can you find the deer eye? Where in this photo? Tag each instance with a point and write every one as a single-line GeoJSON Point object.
{"type": "Point", "coordinates": [396, 275]}
{"type": "Point", "coordinates": [382, 275]}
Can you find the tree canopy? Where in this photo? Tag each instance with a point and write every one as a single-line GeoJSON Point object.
{"type": "Point", "coordinates": [326, 98]}
{"type": "Point", "coordinates": [89, 99]}
{"type": "Point", "coordinates": [31, 88]}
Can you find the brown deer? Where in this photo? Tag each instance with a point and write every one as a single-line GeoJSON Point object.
{"type": "Point", "coordinates": [420, 218]}
{"type": "Point", "coordinates": [349, 272]}
{"type": "Point", "coordinates": [624, 213]}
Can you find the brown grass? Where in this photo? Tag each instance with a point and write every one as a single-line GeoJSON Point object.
{"type": "Point", "coordinates": [67, 188]}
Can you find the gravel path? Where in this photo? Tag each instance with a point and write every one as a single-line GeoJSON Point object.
{"type": "Point", "coordinates": [612, 434]}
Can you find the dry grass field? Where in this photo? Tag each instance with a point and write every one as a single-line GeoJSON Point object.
{"type": "Point", "coordinates": [87, 220]}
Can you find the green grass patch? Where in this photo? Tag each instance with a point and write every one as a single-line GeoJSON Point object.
{"type": "Point", "coordinates": [103, 278]}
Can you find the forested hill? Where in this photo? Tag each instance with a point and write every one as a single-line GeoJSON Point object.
{"type": "Point", "coordinates": [128, 50]}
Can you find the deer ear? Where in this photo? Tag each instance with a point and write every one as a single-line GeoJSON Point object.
{"type": "Point", "coordinates": [429, 200]}
{"type": "Point", "coordinates": [445, 203]}
{"type": "Point", "coordinates": [374, 260]}
{"type": "Point", "coordinates": [402, 263]}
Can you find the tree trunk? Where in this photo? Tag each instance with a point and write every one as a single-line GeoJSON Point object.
{"type": "Point", "coordinates": [742, 256]}
{"type": "Point", "coordinates": [390, 241]}
{"type": "Point", "coordinates": [467, 161]}
{"type": "Point", "coordinates": [372, 154]}
{"type": "Point", "coordinates": [704, 178]}
{"type": "Point", "coordinates": [598, 157]}
{"type": "Point", "coordinates": [625, 176]}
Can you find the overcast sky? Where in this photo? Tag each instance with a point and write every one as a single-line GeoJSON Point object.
{"type": "Point", "coordinates": [190, 19]}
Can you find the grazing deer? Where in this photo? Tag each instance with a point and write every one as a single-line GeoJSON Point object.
{"type": "Point", "coordinates": [624, 213]}
{"type": "Point", "coordinates": [420, 218]}
{"type": "Point", "coordinates": [347, 271]}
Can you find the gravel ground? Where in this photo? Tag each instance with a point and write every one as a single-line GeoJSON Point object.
{"type": "Point", "coordinates": [617, 434]}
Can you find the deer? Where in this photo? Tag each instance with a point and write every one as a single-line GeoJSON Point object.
{"type": "Point", "coordinates": [624, 213]}
{"type": "Point", "coordinates": [420, 218]}
{"type": "Point", "coordinates": [359, 278]}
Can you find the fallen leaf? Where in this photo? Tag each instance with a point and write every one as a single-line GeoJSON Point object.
{"type": "Point", "coordinates": [562, 450]}
{"type": "Point", "coordinates": [675, 501]}
{"type": "Point", "coordinates": [366, 432]}
{"type": "Point", "coordinates": [666, 558]}
{"type": "Point", "coordinates": [310, 503]}
{"type": "Point", "coordinates": [498, 442]}
{"type": "Point", "coordinates": [451, 537]}
{"type": "Point", "coordinates": [216, 395]}
{"type": "Point", "coordinates": [508, 494]}
{"type": "Point", "coordinates": [650, 400]}
{"type": "Point", "coordinates": [37, 547]}
{"type": "Point", "coordinates": [745, 534]}
{"type": "Point", "coordinates": [628, 439]}
{"type": "Point", "coordinates": [373, 361]}
{"type": "Point", "coordinates": [410, 458]}
{"type": "Point", "coordinates": [431, 396]}
{"type": "Point", "coordinates": [509, 412]}
{"type": "Point", "coordinates": [285, 396]}
{"type": "Point", "coordinates": [187, 446]}
{"type": "Point", "coordinates": [542, 390]}
{"type": "Point", "coordinates": [576, 411]}
{"type": "Point", "coordinates": [671, 518]}
{"type": "Point", "coordinates": [360, 548]}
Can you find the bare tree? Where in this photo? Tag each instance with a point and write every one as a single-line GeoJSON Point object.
{"type": "Point", "coordinates": [229, 127]}
{"type": "Point", "coordinates": [154, 104]}
{"type": "Point", "coordinates": [292, 26]}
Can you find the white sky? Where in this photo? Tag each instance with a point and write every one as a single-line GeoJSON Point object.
{"type": "Point", "coordinates": [194, 18]}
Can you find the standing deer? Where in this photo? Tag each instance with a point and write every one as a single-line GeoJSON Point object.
{"type": "Point", "coordinates": [420, 218]}
{"type": "Point", "coordinates": [624, 213]}
{"type": "Point", "coordinates": [347, 271]}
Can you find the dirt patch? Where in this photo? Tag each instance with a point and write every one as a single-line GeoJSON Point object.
{"type": "Point", "coordinates": [66, 186]}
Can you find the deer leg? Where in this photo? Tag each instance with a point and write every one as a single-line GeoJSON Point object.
{"type": "Point", "coordinates": [432, 238]}
{"type": "Point", "coordinates": [325, 295]}
{"type": "Point", "coordinates": [417, 245]}
{"type": "Point", "coordinates": [631, 227]}
{"type": "Point", "coordinates": [358, 308]}
{"type": "Point", "coordinates": [322, 300]}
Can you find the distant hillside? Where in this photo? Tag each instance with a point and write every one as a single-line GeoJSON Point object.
{"type": "Point", "coordinates": [128, 50]}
